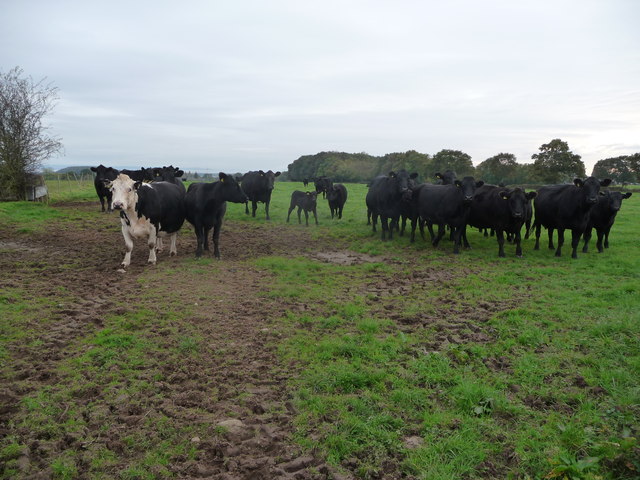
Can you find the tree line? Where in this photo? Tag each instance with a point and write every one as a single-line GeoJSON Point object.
{"type": "Point", "coordinates": [553, 163]}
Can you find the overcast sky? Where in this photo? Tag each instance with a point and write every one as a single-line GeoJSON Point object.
{"type": "Point", "coordinates": [240, 85]}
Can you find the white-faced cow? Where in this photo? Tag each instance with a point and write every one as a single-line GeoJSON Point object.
{"type": "Point", "coordinates": [305, 201]}
{"type": "Point", "coordinates": [602, 217]}
{"type": "Point", "coordinates": [258, 187]}
{"type": "Point", "coordinates": [337, 197]}
{"type": "Point", "coordinates": [444, 205]}
{"type": "Point", "coordinates": [206, 205]}
{"type": "Point", "coordinates": [147, 210]}
{"type": "Point", "coordinates": [104, 175]}
{"type": "Point", "coordinates": [502, 210]}
{"type": "Point", "coordinates": [384, 197]}
{"type": "Point", "coordinates": [566, 207]}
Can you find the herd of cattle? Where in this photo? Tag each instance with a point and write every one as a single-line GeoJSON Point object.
{"type": "Point", "coordinates": [154, 203]}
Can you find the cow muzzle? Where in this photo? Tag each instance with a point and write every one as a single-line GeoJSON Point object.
{"type": "Point", "coordinates": [117, 205]}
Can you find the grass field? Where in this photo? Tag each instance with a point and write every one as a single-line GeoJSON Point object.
{"type": "Point", "coordinates": [408, 362]}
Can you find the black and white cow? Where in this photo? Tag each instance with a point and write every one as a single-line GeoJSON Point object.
{"type": "Point", "coordinates": [444, 205]}
{"type": "Point", "coordinates": [304, 201]}
{"type": "Point", "coordinates": [147, 211]}
{"type": "Point", "coordinates": [206, 205]}
{"type": "Point", "coordinates": [258, 186]}
{"type": "Point", "coordinates": [566, 207]}
{"type": "Point", "coordinates": [602, 217]}
{"type": "Point", "coordinates": [104, 175]}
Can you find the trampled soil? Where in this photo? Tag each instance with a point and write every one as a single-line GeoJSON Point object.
{"type": "Point", "coordinates": [240, 387]}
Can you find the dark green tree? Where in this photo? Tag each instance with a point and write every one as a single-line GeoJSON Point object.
{"type": "Point", "coordinates": [500, 168]}
{"type": "Point", "coordinates": [455, 160]}
{"type": "Point", "coordinates": [618, 169]}
{"type": "Point", "coordinates": [557, 164]}
{"type": "Point", "coordinates": [24, 139]}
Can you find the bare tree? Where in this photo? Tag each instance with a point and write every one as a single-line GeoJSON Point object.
{"type": "Point", "coordinates": [24, 139]}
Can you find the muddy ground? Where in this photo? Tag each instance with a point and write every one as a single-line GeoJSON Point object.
{"type": "Point", "coordinates": [248, 396]}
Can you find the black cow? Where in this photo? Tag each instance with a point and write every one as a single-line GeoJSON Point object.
{"type": "Point", "coordinates": [384, 198]}
{"type": "Point", "coordinates": [446, 178]}
{"type": "Point", "coordinates": [566, 207]}
{"type": "Point", "coordinates": [502, 210]}
{"type": "Point", "coordinates": [601, 217]}
{"type": "Point", "coordinates": [258, 187]}
{"type": "Point", "coordinates": [409, 209]}
{"type": "Point", "coordinates": [168, 174]}
{"type": "Point", "coordinates": [447, 205]}
{"type": "Point", "coordinates": [305, 182]}
{"type": "Point", "coordinates": [151, 210]}
{"type": "Point", "coordinates": [304, 201]}
{"type": "Point", "coordinates": [323, 185]}
{"type": "Point", "coordinates": [140, 175]}
{"type": "Point", "coordinates": [337, 197]}
{"type": "Point", "coordinates": [104, 176]}
{"type": "Point", "coordinates": [206, 204]}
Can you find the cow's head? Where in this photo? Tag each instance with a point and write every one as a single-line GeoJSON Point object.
{"type": "Point", "coordinates": [517, 201]}
{"type": "Point", "coordinates": [269, 178]}
{"type": "Point", "coordinates": [231, 188]}
{"type": "Point", "coordinates": [446, 178]}
{"type": "Point", "coordinates": [614, 199]}
{"type": "Point", "coordinates": [590, 188]}
{"type": "Point", "coordinates": [403, 179]}
{"type": "Point", "coordinates": [124, 191]}
{"type": "Point", "coordinates": [104, 173]}
{"type": "Point", "coordinates": [468, 188]}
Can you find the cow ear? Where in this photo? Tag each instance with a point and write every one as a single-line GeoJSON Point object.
{"type": "Point", "coordinates": [531, 195]}
{"type": "Point", "coordinates": [626, 195]}
{"type": "Point", "coordinates": [392, 174]}
{"type": "Point", "coordinates": [136, 185]}
{"type": "Point", "coordinates": [277, 174]}
{"type": "Point", "coordinates": [479, 183]}
{"type": "Point", "coordinates": [413, 175]}
{"type": "Point", "coordinates": [94, 169]}
{"type": "Point", "coordinates": [578, 182]}
{"type": "Point", "coordinates": [606, 182]}
{"type": "Point", "coordinates": [601, 193]}
{"type": "Point", "coordinates": [222, 176]}
{"type": "Point", "coordinates": [438, 175]}
{"type": "Point", "coordinates": [179, 173]}
{"type": "Point", "coordinates": [457, 183]}
{"type": "Point", "coordinates": [504, 195]}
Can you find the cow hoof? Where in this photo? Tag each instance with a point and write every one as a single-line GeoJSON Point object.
{"type": "Point", "coordinates": [121, 270]}
{"type": "Point", "coordinates": [173, 254]}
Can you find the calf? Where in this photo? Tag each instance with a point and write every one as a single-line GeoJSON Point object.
{"type": "Point", "coordinates": [304, 201]}
{"type": "Point", "coordinates": [384, 198]}
{"type": "Point", "coordinates": [447, 205]}
{"type": "Point", "coordinates": [147, 210]}
{"type": "Point", "coordinates": [502, 210]}
{"type": "Point", "coordinates": [258, 187]}
{"type": "Point", "coordinates": [337, 197]}
{"type": "Point", "coordinates": [206, 205]}
{"type": "Point", "coordinates": [104, 175]}
{"type": "Point", "coordinates": [601, 217]}
{"type": "Point", "coordinates": [566, 207]}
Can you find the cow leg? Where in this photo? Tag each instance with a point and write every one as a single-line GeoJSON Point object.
{"type": "Point", "coordinates": [299, 212]}
{"type": "Point", "coordinates": [369, 217]}
{"type": "Point", "coordinates": [384, 222]}
{"type": "Point", "coordinates": [306, 217]}
{"type": "Point", "coordinates": [246, 207]}
{"type": "Point", "coordinates": [550, 233]}
{"type": "Point", "coordinates": [173, 250]}
{"type": "Point", "coordinates": [254, 207]}
{"type": "Point", "coordinates": [266, 209]}
{"type": "Point", "coordinates": [560, 241]}
{"type": "Point", "coordinates": [216, 239]}
{"type": "Point", "coordinates": [456, 233]}
{"type": "Point", "coordinates": [291, 208]}
{"type": "Point", "coordinates": [403, 226]}
{"type": "Point", "coordinates": [201, 238]}
{"type": "Point", "coordinates": [586, 237]}
{"type": "Point", "coordinates": [128, 242]}
{"type": "Point", "coordinates": [374, 221]}
{"type": "Point", "coordinates": [151, 243]}
{"type": "Point", "coordinates": [464, 238]}
{"type": "Point", "coordinates": [159, 244]}
{"type": "Point", "coordinates": [315, 215]}
{"type": "Point", "coordinates": [500, 238]}
{"type": "Point", "coordinates": [339, 212]}
{"type": "Point", "coordinates": [606, 236]}
{"type": "Point", "coordinates": [414, 223]}
{"type": "Point", "coordinates": [102, 202]}
{"type": "Point", "coordinates": [518, 239]}
{"type": "Point", "coordinates": [575, 240]}
{"type": "Point", "coordinates": [441, 230]}
{"type": "Point", "coordinates": [538, 227]}
{"type": "Point", "coordinates": [601, 234]}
